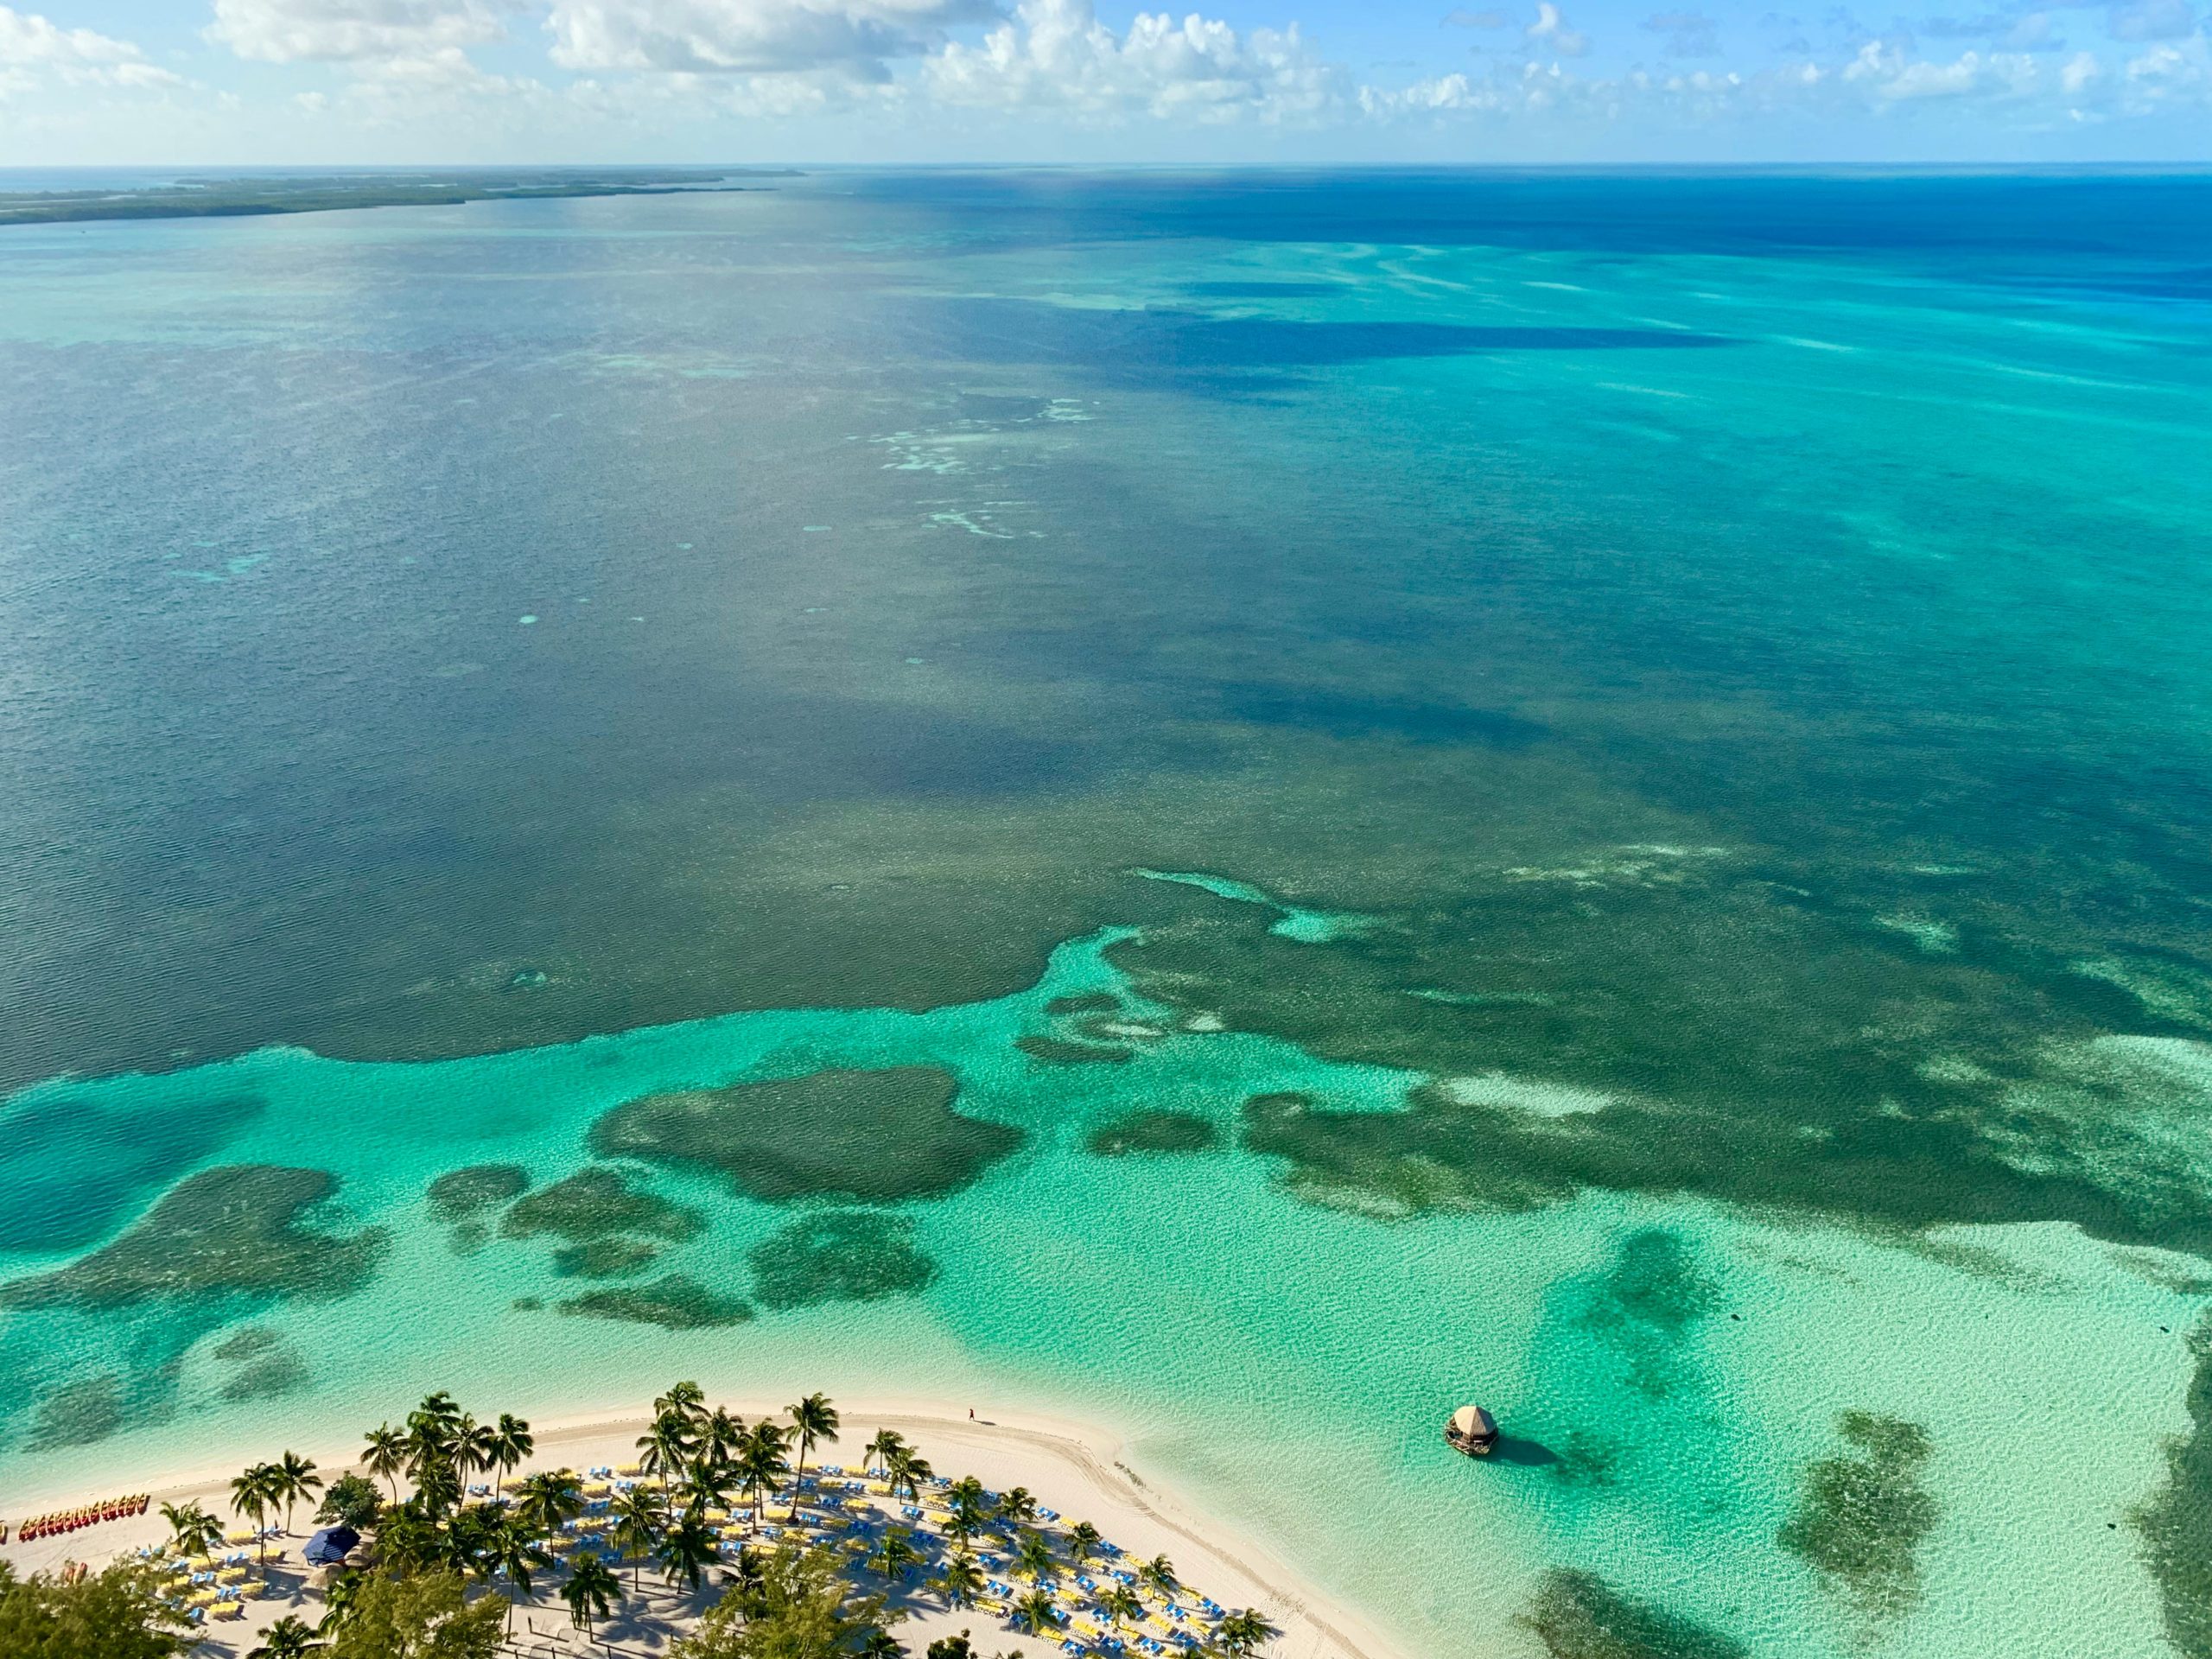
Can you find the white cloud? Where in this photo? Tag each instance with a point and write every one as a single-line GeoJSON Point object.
{"type": "Point", "coordinates": [1442, 95]}
{"type": "Point", "coordinates": [1550, 30]}
{"type": "Point", "coordinates": [354, 31]}
{"type": "Point", "coordinates": [724, 37]}
{"type": "Point", "coordinates": [34, 48]}
{"type": "Point", "coordinates": [2180, 73]}
{"type": "Point", "coordinates": [1889, 75]}
{"type": "Point", "coordinates": [1056, 55]}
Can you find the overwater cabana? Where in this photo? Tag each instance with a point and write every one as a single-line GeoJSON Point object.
{"type": "Point", "coordinates": [1472, 1430]}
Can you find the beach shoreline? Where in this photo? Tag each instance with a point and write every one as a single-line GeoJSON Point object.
{"type": "Point", "coordinates": [1081, 1468]}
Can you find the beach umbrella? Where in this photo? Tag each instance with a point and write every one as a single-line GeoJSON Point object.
{"type": "Point", "coordinates": [328, 1547]}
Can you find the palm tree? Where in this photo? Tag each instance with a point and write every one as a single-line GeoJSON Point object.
{"type": "Point", "coordinates": [254, 1492]}
{"type": "Point", "coordinates": [639, 1517]}
{"type": "Point", "coordinates": [473, 1449]}
{"type": "Point", "coordinates": [290, 1637]}
{"type": "Point", "coordinates": [437, 1488]}
{"type": "Point", "coordinates": [888, 1443]}
{"type": "Point", "coordinates": [1240, 1633]}
{"type": "Point", "coordinates": [969, 1509]}
{"type": "Point", "coordinates": [338, 1601]}
{"type": "Point", "coordinates": [1037, 1611]}
{"type": "Point", "coordinates": [760, 1463]}
{"type": "Point", "coordinates": [1119, 1603]}
{"type": "Point", "coordinates": [1019, 1507]}
{"type": "Point", "coordinates": [708, 1485]}
{"type": "Point", "coordinates": [1035, 1556]}
{"type": "Point", "coordinates": [549, 1498]}
{"type": "Point", "coordinates": [1083, 1540]}
{"type": "Point", "coordinates": [958, 1579]}
{"type": "Point", "coordinates": [666, 1448]}
{"type": "Point", "coordinates": [193, 1531]}
{"type": "Point", "coordinates": [439, 1407]}
{"type": "Point", "coordinates": [688, 1549]}
{"type": "Point", "coordinates": [723, 1432]}
{"type": "Point", "coordinates": [906, 1470]}
{"type": "Point", "coordinates": [686, 1400]}
{"type": "Point", "coordinates": [812, 1418]}
{"type": "Point", "coordinates": [386, 1455]}
{"type": "Point", "coordinates": [895, 1553]}
{"type": "Point", "coordinates": [432, 1429]}
{"type": "Point", "coordinates": [514, 1549]}
{"type": "Point", "coordinates": [298, 1481]}
{"type": "Point", "coordinates": [879, 1643]}
{"type": "Point", "coordinates": [591, 1591]}
{"type": "Point", "coordinates": [511, 1443]}
{"type": "Point", "coordinates": [1159, 1573]}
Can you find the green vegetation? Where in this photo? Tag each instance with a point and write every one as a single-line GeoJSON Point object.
{"type": "Point", "coordinates": [675, 1301]}
{"type": "Point", "coordinates": [352, 1501]}
{"type": "Point", "coordinates": [1153, 1131]}
{"type": "Point", "coordinates": [235, 1230]}
{"type": "Point", "coordinates": [110, 1615]}
{"type": "Point", "coordinates": [1861, 1518]}
{"type": "Point", "coordinates": [1058, 1050]}
{"type": "Point", "coordinates": [799, 1606]}
{"type": "Point", "coordinates": [831, 1255]}
{"type": "Point", "coordinates": [461, 1194]}
{"type": "Point", "coordinates": [423, 1614]}
{"type": "Point", "coordinates": [236, 198]}
{"type": "Point", "coordinates": [2175, 1524]}
{"type": "Point", "coordinates": [876, 1137]}
{"type": "Point", "coordinates": [1578, 1616]}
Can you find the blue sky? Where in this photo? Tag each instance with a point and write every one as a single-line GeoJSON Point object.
{"type": "Point", "coordinates": [176, 82]}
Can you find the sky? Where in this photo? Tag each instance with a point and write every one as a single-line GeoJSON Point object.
{"type": "Point", "coordinates": [174, 83]}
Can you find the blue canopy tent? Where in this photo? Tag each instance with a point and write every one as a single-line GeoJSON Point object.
{"type": "Point", "coordinates": [328, 1547]}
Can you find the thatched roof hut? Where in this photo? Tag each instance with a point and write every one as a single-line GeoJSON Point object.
{"type": "Point", "coordinates": [1472, 1430]}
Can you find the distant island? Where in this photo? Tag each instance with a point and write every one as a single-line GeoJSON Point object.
{"type": "Point", "coordinates": [216, 198]}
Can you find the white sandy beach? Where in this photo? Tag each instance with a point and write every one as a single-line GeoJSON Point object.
{"type": "Point", "coordinates": [1076, 1469]}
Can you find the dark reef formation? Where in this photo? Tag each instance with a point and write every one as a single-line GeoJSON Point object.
{"type": "Point", "coordinates": [1153, 1131]}
{"type": "Point", "coordinates": [840, 1255]}
{"type": "Point", "coordinates": [875, 1137]}
{"type": "Point", "coordinates": [234, 1230]}
{"type": "Point", "coordinates": [1862, 1517]}
{"type": "Point", "coordinates": [1578, 1616]}
{"type": "Point", "coordinates": [675, 1301]}
{"type": "Point", "coordinates": [464, 1194]}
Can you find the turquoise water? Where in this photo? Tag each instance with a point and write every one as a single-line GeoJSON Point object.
{"type": "Point", "coordinates": [1633, 748]}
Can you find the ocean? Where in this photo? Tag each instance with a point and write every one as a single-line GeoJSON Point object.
{"type": "Point", "coordinates": [1251, 804]}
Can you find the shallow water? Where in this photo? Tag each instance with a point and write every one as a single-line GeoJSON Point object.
{"type": "Point", "coordinates": [1666, 713]}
